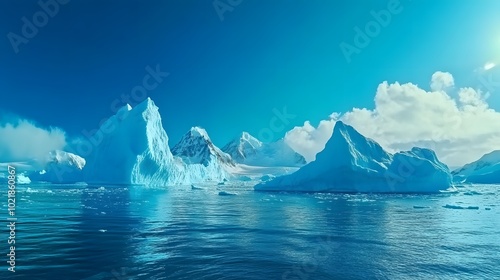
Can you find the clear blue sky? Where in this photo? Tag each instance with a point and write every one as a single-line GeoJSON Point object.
{"type": "Point", "coordinates": [227, 76]}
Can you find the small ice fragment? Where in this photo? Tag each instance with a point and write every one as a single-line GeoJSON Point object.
{"type": "Point", "coordinates": [461, 207]}
{"type": "Point", "coordinates": [453, 206]}
{"type": "Point", "coordinates": [472, 193]}
{"type": "Point", "coordinates": [226, 193]}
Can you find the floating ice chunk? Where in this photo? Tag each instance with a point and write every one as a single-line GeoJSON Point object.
{"type": "Point", "coordinates": [193, 187]}
{"type": "Point", "coordinates": [60, 167]}
{"type": "Point", "coordinates": [224, 193]}
{"type": "Point", "coordinates": [453, 206]}
{"type": "Point", "coordinates": [22, 179]}
{"type": "Point", "coordinates": [472, 193]}
{"type": "Point", "coordinates": [449, 206]}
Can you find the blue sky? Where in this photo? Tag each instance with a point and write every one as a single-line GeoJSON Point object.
{"type": "Point", "coordinates": [228, 75]}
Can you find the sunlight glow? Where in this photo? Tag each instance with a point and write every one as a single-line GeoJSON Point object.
{"type": "Point", "coordinates": [489, 65]}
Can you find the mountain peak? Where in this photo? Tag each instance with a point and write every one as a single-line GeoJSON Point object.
{"type": "Point", "coordinates": [491, 157]}
{"type": "Point", "coordinates": [197, 131]}
{"type": "Point", "coordinates": [125, 108]}
{"type": "Point", "coordinates": [341, 126]}
{"type": "Point", "coordinates": [196, 147]}
{"type": "Point", "coordinates": [351, 162]}
{"type": "Point", "coordinates": [485, 170]}
{"type": "Point", "coordinates": [146, 104]}
{"type": "Point", "coordinates": [247, 136]}
{"type": "Point", "coordinates": [249, 150]}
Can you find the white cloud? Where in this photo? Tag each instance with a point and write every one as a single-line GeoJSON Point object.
{"type": "Point", "coordinates": [23, 141]}
{"type": "Point", "coordinates": [460, 129]}
{"type": "Point", "coordinates": [308, 140]}
{"type": "Point", "coordinates": [441, 81]}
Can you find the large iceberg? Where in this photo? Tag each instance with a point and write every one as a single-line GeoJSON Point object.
{"type": "Point", "coordinates": [134, 150]}
{"type": "Point", "coordinates": [486, 170]}
{"type": "Point", "coordinates": [352, 163]}
{"type": "Point", "coordinates": [246, 149]}
{"type": "Point", "coordinates": [60, 167]}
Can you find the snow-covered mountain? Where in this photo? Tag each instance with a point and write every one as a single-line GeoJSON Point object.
{"type": "Point", "coordinates": [60, 167]}
{"type": "Point", "coordinates": [134, 150]}
{"type": "Point", "coordinates": [242, 147]}
{"type": "Point", "coordinates": [196, 147]}
{"type": "Point", "coordinates": [486, 170]}
{"type": "Point", "coordinates": [352, 163]}
{"type": "Point", "coordinates": [247, 149]}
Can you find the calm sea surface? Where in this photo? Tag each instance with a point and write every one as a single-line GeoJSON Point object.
{"type": "Point", "coordinates": [122, 233]}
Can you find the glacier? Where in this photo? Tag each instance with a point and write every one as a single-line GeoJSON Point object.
{"type": "Point", "coordinates": [248, 150]}
{"type": "Point", "coordinates": [351, 162]}
{"type": "Point", "coordinates": [135, 150]}
{"type": "Point", "coordinates": [485, 170]}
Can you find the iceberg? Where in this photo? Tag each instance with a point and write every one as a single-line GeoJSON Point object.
{"type": "Point", "coordinates": [21, 178]}
{"type": "Point", "coordinates": [485, 170]}
{"type": "Point", "coordinates": [134, 150]}
{"type": "Point", "coordinates": [351, 162]}
{"type": "Point", "coordinates": [60, 167]}
{"type": "Point", "coordinates": [246, 149]}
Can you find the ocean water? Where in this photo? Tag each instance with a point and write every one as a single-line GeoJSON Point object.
{"type": "Point", "coordinates": [132, 232]}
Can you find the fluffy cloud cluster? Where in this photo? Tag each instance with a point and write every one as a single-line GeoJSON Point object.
{"type": "Point", "coordinates": [308, 140]}
{"type": "Point", "coordinates": [460, 127]}
{"type": "Point", "coordinates": [24, 141]}
{"type": "Point", "coordinates": [441, 81]}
